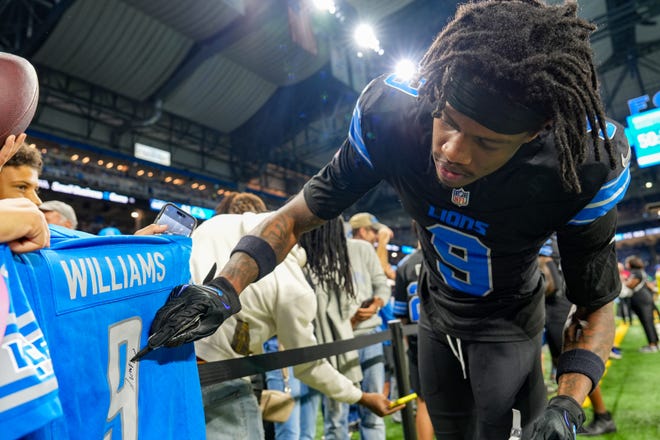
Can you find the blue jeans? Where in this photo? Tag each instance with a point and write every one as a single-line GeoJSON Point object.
{"type": "Point", "coordinates": [335, 415]}
{"type": "Point", "coordinates": [291, 429]}
{"type": "Point", "coordinates": [302, 422]}
{"type": "Point", "coordinates": [231, 411]}
{"type": "Point", "coordinates": [335, 419]}
{"type": "Point", "coordinates": [372, 361]}
{"type": "Point", "coordinates": [309, 410]}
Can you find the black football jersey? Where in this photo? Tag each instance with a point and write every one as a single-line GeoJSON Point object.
{"type": "Point", "coordinates": [406, 301]}
{"type": "Point", "coordinates": [480, 279]}
{"type": "Point", "coordinates": [406, 298]}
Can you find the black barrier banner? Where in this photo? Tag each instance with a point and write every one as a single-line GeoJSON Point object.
{"type": "Point", "coordinates": [220, 371]}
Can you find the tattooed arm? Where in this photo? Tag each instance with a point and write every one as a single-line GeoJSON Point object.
{"type": "Point", "coordinates": [593, 331]}
{"type": "Point", "coordinates": [588, 260]}
{"type": "Point", "coordinates": [194, 311]}
{"type": "Point", "coordinates": [281, 230]}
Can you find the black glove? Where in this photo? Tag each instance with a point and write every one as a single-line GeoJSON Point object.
{"type": "Point", "coordinates": [192, 312]}
{"type": "Point", "coordinates": [560, 421]}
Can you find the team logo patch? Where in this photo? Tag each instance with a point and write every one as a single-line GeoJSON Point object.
{"type": "Point", "coordinates": [460, 197]}
{"type": "Point", "coordinates": [625, 160]}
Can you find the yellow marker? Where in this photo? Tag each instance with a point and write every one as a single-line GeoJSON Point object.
{"type": "Point", "coordinates": [404, 399]}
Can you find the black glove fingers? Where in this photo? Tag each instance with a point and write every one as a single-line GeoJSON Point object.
{"type": "Point", "coordinates": [170, 319]}
{"type": "Point", "coordinates": [193, 312]}
{"type": "Point", "coordinates": [165, 313]}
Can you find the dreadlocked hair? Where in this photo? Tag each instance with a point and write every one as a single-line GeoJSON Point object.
{"type": "Point", "coordinates": [327, 257]}
{"type": "Point", "coordinates": [534, 54]}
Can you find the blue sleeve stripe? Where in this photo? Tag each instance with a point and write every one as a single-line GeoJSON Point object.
{"type": "Point", "coordinates": [610, 188]}
{"type": "Point", "coordinates": [400, 308]}
{"type": "Point", "coordinates": [26, 391]}
{"type": "Point", "coordinates": [609, 195]}
{"type": "Point", "coordinates": [355, 136]}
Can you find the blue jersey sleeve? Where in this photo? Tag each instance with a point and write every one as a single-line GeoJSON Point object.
{"type": "Point", "coordinates": [28, 387]}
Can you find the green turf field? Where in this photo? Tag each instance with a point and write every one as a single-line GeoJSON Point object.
{"type": "Point", "coordinates": [631, 389]}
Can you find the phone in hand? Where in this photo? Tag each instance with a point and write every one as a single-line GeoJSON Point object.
{"type": "Point", "coordinates": [178, 221]}
{"type": "Point", "coordinates": [367, 302]}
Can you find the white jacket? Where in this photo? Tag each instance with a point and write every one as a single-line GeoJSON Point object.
{"type": "Point", "coordinates": [282, 303]}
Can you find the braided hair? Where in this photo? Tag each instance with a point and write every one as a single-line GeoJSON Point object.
{"type": "Point", "coordinates": [327, 257]}
{"type": "Point", "coordinates": [534, 54]}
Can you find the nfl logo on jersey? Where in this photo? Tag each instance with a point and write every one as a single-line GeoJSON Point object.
{"type": "Point", "coordinates": [460, 197]}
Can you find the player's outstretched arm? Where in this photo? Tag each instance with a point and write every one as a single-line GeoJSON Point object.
{"type": "Point", "coordinates": [193, 311]}
{"type": "Point", "coordinates": [281, 232]}
{"type": "Point", "coordinates": [593, 332]}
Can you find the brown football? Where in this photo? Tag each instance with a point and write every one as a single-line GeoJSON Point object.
{"type": "Point", "coordinates": [19, 94]}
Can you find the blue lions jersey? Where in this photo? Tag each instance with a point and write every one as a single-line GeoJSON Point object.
{"type": "Point", "coordinates": [96, 298]}
{"type": "Point", "coordinates": [28, 388]}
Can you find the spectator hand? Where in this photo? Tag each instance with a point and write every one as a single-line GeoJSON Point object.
{"type": "Point", "coordinates": [378, 404]}
{"type": "Point", "coordinates": [364, 313]}
{"type": "Point", "coordinates": [11, 146]}
{"type": "Point", "coordinates": [192, 312]}
{"type": "Point", "coordinates": [561, 420]}
{"type": "Point", "coordinates": [385, 234]}
{"type": "Point", "coordinates": [23, 226]}
{"type": "Point", "coordinates": [151, 229]}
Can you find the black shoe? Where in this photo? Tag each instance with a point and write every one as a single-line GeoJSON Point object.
{"type": "Point", "coordinates": [602, 424]}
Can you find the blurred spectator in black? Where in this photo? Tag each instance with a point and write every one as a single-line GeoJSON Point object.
{"type": "Point", "coordinates": [642, 301]}
{"type": "Point", "coordinates": [406, 308]}
{"type": "Point", "coordinates": [625, 306]}
{"type": "Point", "coordinates": [557, 305]}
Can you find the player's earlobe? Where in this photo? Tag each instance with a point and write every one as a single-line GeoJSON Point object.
{"type": "Point", "coordinates": [534, 134]}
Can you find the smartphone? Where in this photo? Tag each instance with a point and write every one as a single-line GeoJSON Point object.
{"type": "Point", "coordinates": [404, 399]}
{"type": "Point", "coordinates": [366, 303]}
{"type": "Point", "coordinates": [178, 221]}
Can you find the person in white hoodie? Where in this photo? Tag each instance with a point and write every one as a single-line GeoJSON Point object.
{"type": "Point", "coordinates": [282, 304]}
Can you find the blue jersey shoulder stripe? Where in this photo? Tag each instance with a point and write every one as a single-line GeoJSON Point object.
{"type": "Point", "coordinates": [355, 136]}
{"type": "Point", "coordinates": [404, 84]}
{"type": "Point", "coordinates": [609, 195]}
{"type": "Point", "coordinates": [400, 308]}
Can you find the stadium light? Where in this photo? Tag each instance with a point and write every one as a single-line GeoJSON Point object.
{"type": "Point", "coordinates": [326, 5]}
{"type": "Point", "coordinates": [366, 37]}
{"type": "Point", "coordinates": [405, 69]}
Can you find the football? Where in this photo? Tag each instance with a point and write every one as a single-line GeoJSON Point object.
{"type": "Point", "coordinates": [19, 94]}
